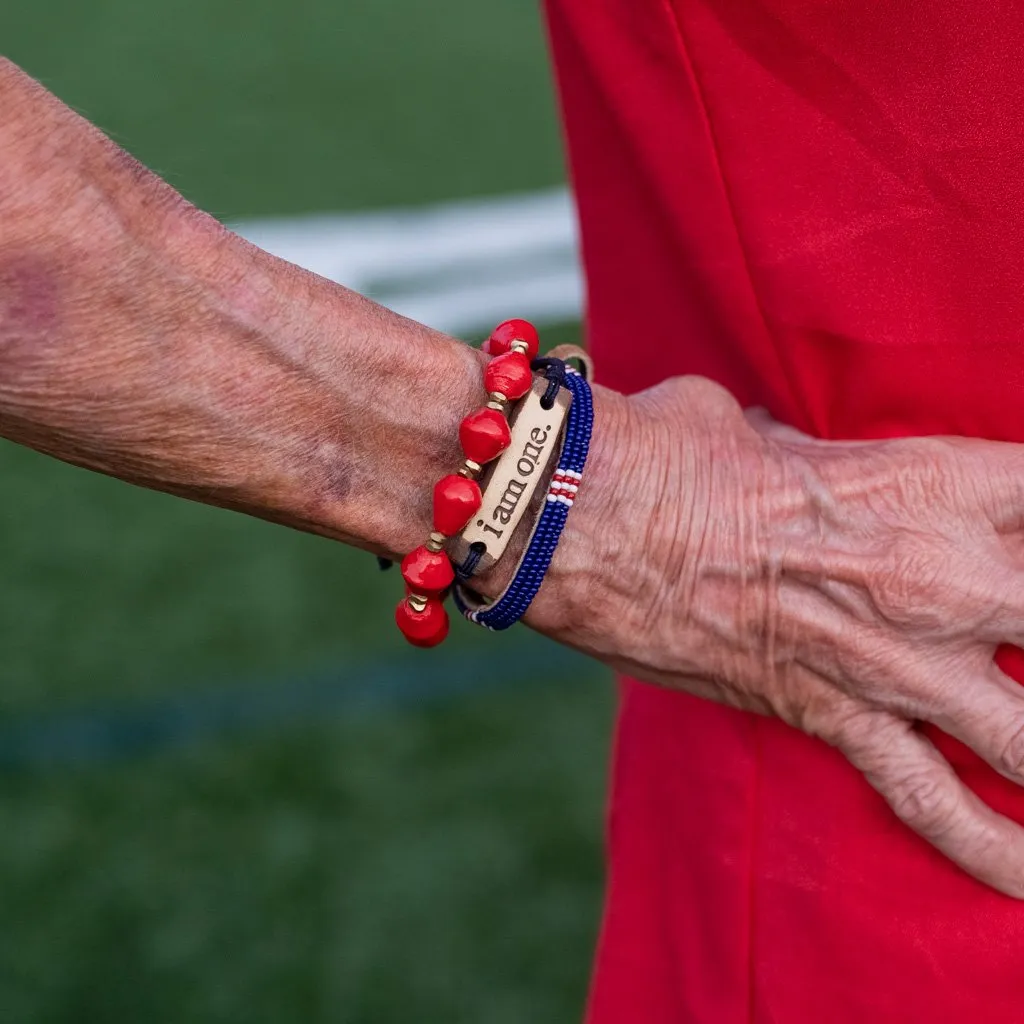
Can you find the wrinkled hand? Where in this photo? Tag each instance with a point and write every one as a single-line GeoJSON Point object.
{"type": "Point", "coordinates": [851, 589]}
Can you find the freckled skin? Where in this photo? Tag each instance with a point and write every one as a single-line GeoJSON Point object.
{"type": "Point", "coordinates": [852, 590]}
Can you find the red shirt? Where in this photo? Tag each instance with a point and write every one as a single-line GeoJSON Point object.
{"type": "Point", "coordinates": [818, 204]}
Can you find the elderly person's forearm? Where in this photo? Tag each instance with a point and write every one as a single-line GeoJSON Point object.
{"type": "Point", "coordinates": [140, 338]}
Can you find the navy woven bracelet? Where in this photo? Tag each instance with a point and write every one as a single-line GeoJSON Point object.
{"type": "Point", "coordinates": [512, 605]}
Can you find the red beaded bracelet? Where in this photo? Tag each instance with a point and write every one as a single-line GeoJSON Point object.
{"type": "Point", "coordinates": [484, 435]}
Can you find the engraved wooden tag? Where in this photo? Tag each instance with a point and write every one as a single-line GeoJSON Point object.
{"type": "Point", "coordinates": [511, 482]}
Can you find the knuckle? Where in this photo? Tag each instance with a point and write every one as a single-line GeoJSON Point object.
{"type": "Point", "coordinates": [928, 587]}
{"type": "Point", "coordinates": [908, 583]}
{"type": "Point", "coordinates": [1011, 756]}
{"type": "Point", "coordinates": [925, 804]}
{"type": "Point", "coordinates": [849, 726]}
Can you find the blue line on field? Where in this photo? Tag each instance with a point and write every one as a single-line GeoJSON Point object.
{"type": "Point", "coordinates": [125, 728]}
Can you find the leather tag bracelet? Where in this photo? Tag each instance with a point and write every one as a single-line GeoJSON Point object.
{"type": "Point", "coordinates": [513, 480]}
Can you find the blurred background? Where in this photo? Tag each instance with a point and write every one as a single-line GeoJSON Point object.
{"type": "Point", "coordinates": [227, 790]}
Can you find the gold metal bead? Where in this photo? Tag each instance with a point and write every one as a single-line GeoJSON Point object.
{"type": "Point", "coordinates": [436, 541]}
{"type": "Point", "coordinates": [497, 396]}
{"type": "Point", "coordinates": [470, 469]}
{"type": "Point", "coordinates": [496, 406]}
{"type": "Point", "coordinates": [519, 346]}
{"type": "Point", "coordinates": [417, 602]}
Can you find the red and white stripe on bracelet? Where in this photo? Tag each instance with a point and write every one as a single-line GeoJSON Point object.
{"type": "Point", "coordinates": [564, 485]}
{"type": "Point", "coordinates": [484, 435]}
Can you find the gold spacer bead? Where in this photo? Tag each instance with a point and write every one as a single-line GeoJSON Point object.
{"type": "Point", "coordinates": [497, 396]}
{"type": "Point", "coordinates": [436, 542]}
{"type": "Point", "coordinates": [519, 346]}
{"type": "Point", "coordinates": [496, 406]}
{"type": "Point", "coordinates": [417, 602]}
{"type": "Point", "coordinates": [470, 469]}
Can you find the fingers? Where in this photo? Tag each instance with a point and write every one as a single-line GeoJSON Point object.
{"type": "Point", "coordinates": [925, 793]}
{"type": "Point", "coordinates": [987, 714]}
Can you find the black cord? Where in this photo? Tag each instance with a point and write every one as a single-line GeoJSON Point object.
{"type": "Point", "coordinates": [465, 571]}
{"type": "Point", "coordinates": [554, 371]}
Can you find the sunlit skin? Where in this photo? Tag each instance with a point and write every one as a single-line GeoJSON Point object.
{"type": "Point", "coordinates": [849, 589]}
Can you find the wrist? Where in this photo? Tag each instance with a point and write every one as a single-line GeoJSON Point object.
{"type": "Point", "coordinates": [638, 535]}
{"type": "Point", "coordinates": [576, 590]}
{"type": "Point", "coordinates": [376, 418]}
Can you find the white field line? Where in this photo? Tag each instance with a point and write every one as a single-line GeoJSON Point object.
{"type": "Point", "coordinates": [460, 267]}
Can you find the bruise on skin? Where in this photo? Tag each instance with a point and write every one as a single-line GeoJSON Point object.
{"type": "Point", "coordinates": [336, 479]}
{"type": "Point", "coordinates": [328, 472]}
{"type": "Point", "coordinates": [29, 304]}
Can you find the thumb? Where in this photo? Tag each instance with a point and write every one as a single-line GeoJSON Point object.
{"type": "Point", "coordinates": [767, 426]}
{"type": "Point", "coordinates": [761, 420]}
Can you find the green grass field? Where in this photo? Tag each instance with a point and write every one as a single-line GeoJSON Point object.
{"type": "Point", "coordinates": [421, 864]}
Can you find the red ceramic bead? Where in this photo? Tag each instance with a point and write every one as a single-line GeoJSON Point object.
{"type": "Point", "coordinates": [428, 572]}
{"type": "Point", "coordinates": [510, 374]}
{"type": "Point", "coordinates": [484, 435]}
{"type": "Point", "coordinates": [513, 330]}
{"type": "Point", "coordinates": [456, 500]}
{"type": "Point", "coordinates": [422, 629]}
